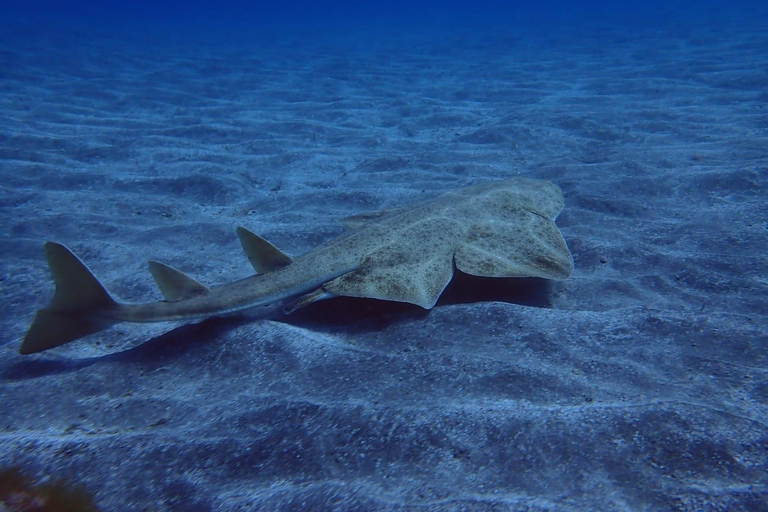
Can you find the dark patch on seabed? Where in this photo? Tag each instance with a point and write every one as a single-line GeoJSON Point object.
{"type": "Point", "coordinates": [641, 383]}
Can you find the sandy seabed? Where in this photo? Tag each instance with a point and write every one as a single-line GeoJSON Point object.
{"type": "Point", "coordinates": [641, 383]}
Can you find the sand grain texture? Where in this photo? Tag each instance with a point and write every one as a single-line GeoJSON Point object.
{"type": "Point", "coordinates": [641, 383]}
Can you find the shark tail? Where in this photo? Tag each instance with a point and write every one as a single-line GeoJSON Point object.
{"type": "Point", "coordinates": [78, 306]}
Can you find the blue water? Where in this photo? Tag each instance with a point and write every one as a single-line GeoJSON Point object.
{"type": "Point", "coordinates": [136, 130]}
{"type": "Point", "coordinates": [351, 17]}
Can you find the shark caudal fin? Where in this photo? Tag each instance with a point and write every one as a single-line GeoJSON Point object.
{"type": "Point", "coordinates": [73, 311]}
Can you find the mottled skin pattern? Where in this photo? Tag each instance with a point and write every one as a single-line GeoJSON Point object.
{"type": "Point", "coordinates": [499, 229]}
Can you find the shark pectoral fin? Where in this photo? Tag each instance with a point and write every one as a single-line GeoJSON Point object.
{"type": "Point", "coordinates": [307, 299]}
{"type": "Point", "coordinates": [174, 284]}
{"type": "Point", "coordinates": [264, 256]}
{"type": "Point", "coordinates": [526, 244]}
{"type": "Point", "coordinates": [78, 307]}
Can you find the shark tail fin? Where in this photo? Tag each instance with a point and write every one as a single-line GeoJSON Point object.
{"type": "Point", "coordinates": [75, 307]}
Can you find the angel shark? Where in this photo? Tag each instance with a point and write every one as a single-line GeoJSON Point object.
{"type": "Point", "coordinates": [496, 229]}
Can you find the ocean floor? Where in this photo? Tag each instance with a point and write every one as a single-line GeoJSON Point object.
{"type": "Point", "coordinates": [641, 383]}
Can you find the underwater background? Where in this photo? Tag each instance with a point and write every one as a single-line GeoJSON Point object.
{"type": "Point", "coordinates": [145, 130]}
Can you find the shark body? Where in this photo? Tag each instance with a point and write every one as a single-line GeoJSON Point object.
{"type": "Point", "coordinates": [497, 229]}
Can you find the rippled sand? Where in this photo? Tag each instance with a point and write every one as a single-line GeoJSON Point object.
{"type": "Point", "coordinates": [639, 384]}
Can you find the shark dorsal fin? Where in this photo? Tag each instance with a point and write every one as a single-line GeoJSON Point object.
{"type": "Point", "coordinates": [174, 284]}
{"type": "Point", "coordinates": [264, 256]}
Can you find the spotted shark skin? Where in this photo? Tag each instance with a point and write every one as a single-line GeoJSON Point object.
{"type": "Point", "coordinates": [495, 229]}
